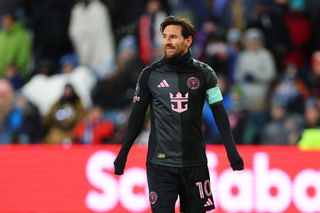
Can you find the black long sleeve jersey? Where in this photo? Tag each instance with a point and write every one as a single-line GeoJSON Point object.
{"type": "Point", "coordinates": [176, 90]}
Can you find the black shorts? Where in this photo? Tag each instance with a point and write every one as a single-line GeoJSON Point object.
{"type": "Point", "coordinates": [192, 184]}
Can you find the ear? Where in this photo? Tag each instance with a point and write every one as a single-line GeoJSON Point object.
{"type": "Point", "coordinates": [188, 41]}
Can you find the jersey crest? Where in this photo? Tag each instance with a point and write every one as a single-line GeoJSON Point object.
{"type": "Point", "coordinates": [153, 197]}
{"type": "Point", "coordinates": [193, 83]}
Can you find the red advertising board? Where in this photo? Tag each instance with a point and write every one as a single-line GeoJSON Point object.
{"type": "Point", "coordinates": [39, 178]}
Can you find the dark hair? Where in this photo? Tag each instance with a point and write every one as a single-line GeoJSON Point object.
{"type": "Point", "coordinates": [10, 14]}
{"type": "Point", "coordinates": [187, 27]}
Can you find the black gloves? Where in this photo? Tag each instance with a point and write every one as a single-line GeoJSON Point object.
{"type": "Point", "coordinates": [121, 159]}
{"type": "Point", "coordinates": [237, 165]}
{"type": "Point", "coordinates": [120, 163]}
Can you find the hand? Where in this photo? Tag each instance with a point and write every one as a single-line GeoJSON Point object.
{"type": "Point", "coordinates": [119, 164]}
{"type": "Point", "coordinates": [237, 165]}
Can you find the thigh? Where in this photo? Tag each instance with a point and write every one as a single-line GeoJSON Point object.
{"type": "Point", "coordinates": [195, 193]}
{"type": "Point", "coordinates": [163, 187]}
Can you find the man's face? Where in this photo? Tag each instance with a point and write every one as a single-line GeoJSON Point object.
{"type": "Point", "coordinates": [174, 43]}
{"type": "Point", "coordinates": [7, 22]}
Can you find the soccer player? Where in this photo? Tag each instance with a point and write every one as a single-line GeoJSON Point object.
{"type": "Point", "coordinates": [176, 87]}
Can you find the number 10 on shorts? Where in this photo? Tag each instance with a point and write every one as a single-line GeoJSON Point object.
{"type": "Point", "coordinates": [204, 188]}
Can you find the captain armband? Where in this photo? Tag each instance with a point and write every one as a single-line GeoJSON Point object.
{"type": "Point", "coordinates": [214, 95]}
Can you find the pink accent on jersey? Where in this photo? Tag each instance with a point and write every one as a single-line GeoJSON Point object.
{"type": "Point", "coordinates": [179, 99]}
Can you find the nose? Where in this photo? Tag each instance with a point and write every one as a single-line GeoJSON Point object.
{"type": "Point", "coordinates": [166, 41]}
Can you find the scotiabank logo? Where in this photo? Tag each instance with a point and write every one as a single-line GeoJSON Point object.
{"type": "Point", "coordinates": [107, 191]}
{"type": "Point", "coordinates": [256, 189]}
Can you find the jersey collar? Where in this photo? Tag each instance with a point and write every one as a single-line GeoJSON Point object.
{"type": "Point", "coordinates": [179, 60]}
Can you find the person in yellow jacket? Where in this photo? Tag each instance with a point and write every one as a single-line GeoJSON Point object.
{"type": "Point", "coordinates": [310, 138]}
{"type": "Point", "coordinates": [15, 45]}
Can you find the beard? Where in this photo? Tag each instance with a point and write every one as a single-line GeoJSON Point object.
{"type": "Point", "coordinates": [174, 52]}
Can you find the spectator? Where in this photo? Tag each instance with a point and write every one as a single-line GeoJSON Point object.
{"type": "Point", "coordinates": [19, 118]}
{"type": "Point", "coordinates": [37, 89]}
{"type": "Point", "coordinates": [68, 63]}
{"type": "Point", "coordinates": [91, 33]}
{"type": "Point", "coordinates": [94, 129]}
{"type": "Point", "coordinates": [313, 75]}
{"type": "Point", "coordinates": [209, 27]}
{"type": "Point", "coordinates": [62, 117]}
{"type": "Point", "coordinates": [15, 45]}
{"type": "Point", "coordinates": [30, 129]}
{"type": "Point", "coordinates": [115, 94]}
{"type": "Point", "coordinates": [234, 48]}
{"type": "Point", "coordinates": [311, 133]}
{"type": "Point", "coordinates": [120, 87]}
{"type": "Point", "coordinates": [49, 21]}
{"type": "Point", "coordinates": [311, 114]}
{"type": "Point", "coordinates": [283, 128]}
{"type": "Point", "coordinates": [216, 52]}
{"type": "Point", "coordinates": [12, 74]}
{"type": "Point", "coordinates": [254, 72]}
{"type": "Point", "coordinates": [218, 48]}
{"type": "Point", "coordinates": [269, 18]}
{"type": "Point", "coordinates": [125, 16]}
{"type": "Point", "coordinates": [79, 76]}
{"type": "Point", "coordinates": [44, 90]}
{"type": "Point", "coordinates": [229, 12]}
{"type": "Point", "coordinates": [299, 27]}
{"type": "Point", "coordinates": [149, 33]}
{"type": "Point", "coordinates": [314, 8]}
{"type": "Point", "coordinates": [10, 117]}
{"type": "Point", "coordinates": [291, 89]}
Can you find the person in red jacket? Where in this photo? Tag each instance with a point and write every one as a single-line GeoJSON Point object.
{"type": "Point", "coordinates": [94, 129]}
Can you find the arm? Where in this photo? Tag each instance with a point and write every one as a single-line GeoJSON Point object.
{"type": "Point", "coordinates": [135, 123]}
{"type": "Point", "coordinates": [215, 100]}
{"type": "Point", "coordinates": [222, 121]}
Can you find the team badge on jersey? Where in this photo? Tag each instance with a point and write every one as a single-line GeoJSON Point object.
{"type": "Point", "coordinates": [193, 83]}
{"type": "Point", "coordinates": [153, 197]}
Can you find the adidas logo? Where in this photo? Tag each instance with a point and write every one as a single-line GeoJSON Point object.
{"type": "Point", "coordinates": [208, 203]}
{"type": "Point", "coordinates": [163, 83]}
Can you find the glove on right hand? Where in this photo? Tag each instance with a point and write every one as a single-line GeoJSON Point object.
{"type": "Point", "coordinates": [119, 164]}
{"type": "Point", "coordinates": [237, 165]}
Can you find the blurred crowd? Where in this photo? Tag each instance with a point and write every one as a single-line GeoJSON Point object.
{"type": "Point", "coordinates": [68, 68]}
